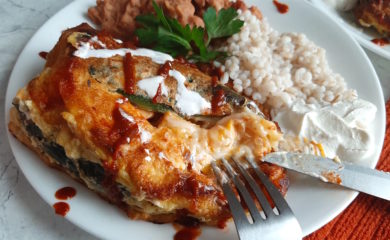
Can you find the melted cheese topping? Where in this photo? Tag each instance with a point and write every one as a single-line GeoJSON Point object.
{"type": "Point", "coordinates": [241, 134]}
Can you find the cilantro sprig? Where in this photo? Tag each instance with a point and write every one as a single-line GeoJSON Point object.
{"type": "Point", "coordinates": [168, 35]}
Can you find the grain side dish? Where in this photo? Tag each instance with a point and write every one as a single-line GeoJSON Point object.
{"type": "Point", "coordinates": [277, 69]}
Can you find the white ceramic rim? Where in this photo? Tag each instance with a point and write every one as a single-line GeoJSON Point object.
{"type": "Point", "coordinates": [359, 33]}
{"type": "Point", "coordinates": [349, 195]}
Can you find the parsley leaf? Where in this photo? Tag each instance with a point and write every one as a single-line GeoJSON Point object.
{"type": "Point", "coordinates": [171, 43]}
{"type": "Point", "coordinates": [147, 36]}
{"type": "Point", "coordinates": [168, 35]}
{"type": "Point", "coordinates": [209, 56]}
{"type": "Point", "coordinates": [161, 16]}
{"type": "Point", "coordinates": [197, 37]}
{"type": "Point", "coordinates": [147, 20]}
{"type": "Point", "coordinates": [184, 32]}
{"type": "Point", "coordinates": [223, 25]}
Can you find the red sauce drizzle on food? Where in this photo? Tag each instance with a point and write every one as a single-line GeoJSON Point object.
{"type": "Point", "coordinates": [50, 96]}
{"type": "Point", "coordinates": [129, 70]}
{"type": "Point", "coordinates": [132, 42]}
{"type": "Point", "coordinates": [282, 8]}
{"type": "Point", "coordinates": [218, 72]}
{"type": "Point", "coordinates": [106, 38]}
{"type": "Point", "coordinates": [61, 208]}
{"type": "Point", "coordinates": [211, 70]}
{"type": "Point", "coordinates": [158, 95]}
{"type": "Point", "coordinates": [381, 41]}
{"type": "Point", "coordinates": [164, 72]}
{"type": "Point", "coordinates": [218, 100]}
{"type": "Point", "coordinates": [129, 44]}
{"type": "Point", "coordinates": [65, 193]}
{"type": "Point", "coordinates": [165, 68]}
{"type": "Point", "coordinates": [214, 81]}
{"type": "Point", "coordinates": [187, 233]}
{"type": "Point", "coordinates": [43, 55]}
{"type": "Point", "coordinates": [66, 82]}
{"type": "Point", "coordinates": [124, 129]}
{"type": "Point", "coordinates": [184, 61]}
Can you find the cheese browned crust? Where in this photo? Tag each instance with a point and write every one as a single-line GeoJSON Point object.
{"type": "Point", "coordinates": [74, 120]}
{"type": "Point", "coordinates": [374, 13]}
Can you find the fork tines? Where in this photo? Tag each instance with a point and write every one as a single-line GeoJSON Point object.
{"type": "Point", "coordinates": [237, 210]}
{"type": "Point", "coordinates": [264, 224]}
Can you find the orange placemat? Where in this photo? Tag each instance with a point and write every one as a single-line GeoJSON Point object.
{"type": "Point", "coordinates": [367, 217]}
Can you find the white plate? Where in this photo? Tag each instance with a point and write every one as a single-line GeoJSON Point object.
{"type": "Point", "coordinates": [363, 35]}
{"type": "Point", "coordinates": [313, 202]}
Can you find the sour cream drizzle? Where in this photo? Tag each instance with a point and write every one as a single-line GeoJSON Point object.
{"type": "Point", "coordinates": [95, 39]}
{"type": "Point", "coordinates": [187, 101]}
{"type": "Point", "coordinates": [150, 86]}
{"type": "Point", "coordinates": [86, 50]}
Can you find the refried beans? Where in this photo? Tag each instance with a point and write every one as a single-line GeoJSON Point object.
{"type": "Point", "coordinates": [117, 17]}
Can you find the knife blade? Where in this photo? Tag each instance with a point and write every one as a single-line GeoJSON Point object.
{"type": "Point", "coordinates": [362, 179]}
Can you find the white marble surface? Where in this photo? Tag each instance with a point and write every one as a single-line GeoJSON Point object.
{"type": "Point", "coordinates": [23, 215]}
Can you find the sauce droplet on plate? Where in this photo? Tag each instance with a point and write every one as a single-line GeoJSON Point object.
{"type": "Point", "coordinates": [187, 233]}
{"type": "Point", "coordinates": [61, 208]}
{"type": "Point", "coordinates": [43, 55]}
{"type": "Point", "coordinates": [381, 41]}
{"type": "Point", "coordinates": [282, 8]}
{"type": "Point", "coordinates": [65, 193]}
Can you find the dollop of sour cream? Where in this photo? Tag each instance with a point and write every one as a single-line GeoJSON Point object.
{"type": "Point", "coordinates": [341, 128]}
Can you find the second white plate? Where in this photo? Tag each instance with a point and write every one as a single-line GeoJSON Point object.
{"type": "Point", "coordinates": [362, 35]}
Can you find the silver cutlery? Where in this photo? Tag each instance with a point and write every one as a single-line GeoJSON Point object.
{"type": "Point", "coordinates": [362, 179]}
{"type": "Point", "coordinates": [264, 223]}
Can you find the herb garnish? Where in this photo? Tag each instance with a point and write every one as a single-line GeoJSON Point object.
{"type": "Point", "coordinates": [144, 102]}
{"type": "Point", "coordinates": [168, 35]}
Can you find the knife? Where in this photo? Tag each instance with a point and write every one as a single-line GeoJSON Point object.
{"type": "Point", "coordinates": [362, 179]}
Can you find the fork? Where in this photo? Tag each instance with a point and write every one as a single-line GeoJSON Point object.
{"type": "Point", "coordinates": [270, 223]}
